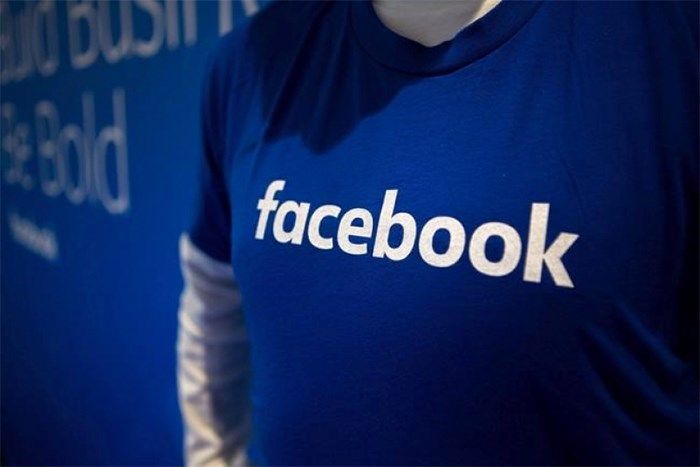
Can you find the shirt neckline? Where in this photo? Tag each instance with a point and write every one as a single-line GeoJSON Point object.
{"type": "Point", "coordinates": [475, 41]}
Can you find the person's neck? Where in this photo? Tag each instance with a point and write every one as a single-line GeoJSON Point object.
{"type": "Point", "coordinates": [430, 22]}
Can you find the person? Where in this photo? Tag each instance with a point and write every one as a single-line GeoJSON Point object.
{"type": "Point", "coordinates": [439, 233]}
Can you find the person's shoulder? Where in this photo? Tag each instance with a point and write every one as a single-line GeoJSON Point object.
{"type": "Point", "coordinates": [283, 20]}
{"type": "Point", "coordinates": [271, 34]}
{"type": "Point", "coordinates": [252, 59]}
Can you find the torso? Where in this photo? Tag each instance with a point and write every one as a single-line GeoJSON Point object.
{"type": "Point", "coordinates": [363, 359]}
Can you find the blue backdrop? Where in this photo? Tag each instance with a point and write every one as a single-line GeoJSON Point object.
{"type": "Point", "coordinates": [99, 141]}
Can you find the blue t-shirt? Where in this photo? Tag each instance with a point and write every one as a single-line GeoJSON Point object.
{"type": "Point", "coordinates": [484, 252]}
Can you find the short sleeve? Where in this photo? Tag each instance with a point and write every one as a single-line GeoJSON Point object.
{"type": "Point", "coordinates": [211, 227]}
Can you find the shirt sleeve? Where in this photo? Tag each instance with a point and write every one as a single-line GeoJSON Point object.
{"type": "Point", "coordinates": [211, 228]}
{"type": "Point", "coordinates": [212, 344]}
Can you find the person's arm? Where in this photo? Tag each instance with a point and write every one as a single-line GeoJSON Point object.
{"type": "Point", "coordinates": [212, 356]}
{"type": "Point", "coordinates": [212, 346]}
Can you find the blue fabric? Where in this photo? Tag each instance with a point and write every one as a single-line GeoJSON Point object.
{"type": "Point", "coordinates": [586, 110]}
